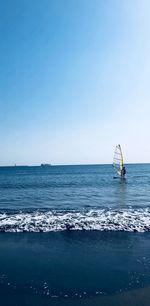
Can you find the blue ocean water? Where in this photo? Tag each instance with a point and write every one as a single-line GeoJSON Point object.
{"type": "Point", "coordinates": [74, 197]}
{"type": "Point", "coordinates": [74, 235]}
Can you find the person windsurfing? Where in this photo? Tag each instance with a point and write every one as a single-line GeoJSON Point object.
{"type": "Point", "coordinates": [118, 162]}
{"type": "Point", "coordinates": [123, 172]}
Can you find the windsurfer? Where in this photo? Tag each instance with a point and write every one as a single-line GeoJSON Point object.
{"type": "Point", "coordinates": [123, 171]}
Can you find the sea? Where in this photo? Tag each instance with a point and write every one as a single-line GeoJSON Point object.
{"type": "Point", "coordinates": [74, 235]}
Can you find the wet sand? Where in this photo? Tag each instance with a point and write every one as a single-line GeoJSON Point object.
{"type": "Point", "coordinates": [74, 269]}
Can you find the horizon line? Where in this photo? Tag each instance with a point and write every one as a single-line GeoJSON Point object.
{"type": "Point", "coordinates": [59, 165]}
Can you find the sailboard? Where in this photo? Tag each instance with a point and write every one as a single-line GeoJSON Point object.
{"type": "Point", "coordinates": [118, 161]}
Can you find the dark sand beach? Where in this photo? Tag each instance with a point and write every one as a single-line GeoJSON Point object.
{"type": "Point", "coordinates": [74, 268]}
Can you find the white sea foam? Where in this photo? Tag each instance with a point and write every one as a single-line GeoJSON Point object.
{"type": "Point", "coordinates": [102, 220]}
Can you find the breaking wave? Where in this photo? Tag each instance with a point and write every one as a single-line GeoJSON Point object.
{"type": "Point", "coordinates": [133, 220]}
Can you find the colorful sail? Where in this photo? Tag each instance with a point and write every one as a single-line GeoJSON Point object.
{"type": "Point", "coordinates": [118, 160]}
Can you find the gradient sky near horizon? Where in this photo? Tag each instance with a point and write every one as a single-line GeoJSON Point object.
{"type": "Point", "coordinates": [74, 81]}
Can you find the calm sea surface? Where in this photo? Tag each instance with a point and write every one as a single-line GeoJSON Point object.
{"type": "Point", "coordinates": [74, 197]}
{"type": "Point", "coordinates": [74, 235]}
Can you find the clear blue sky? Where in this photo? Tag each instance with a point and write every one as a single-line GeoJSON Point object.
{"type": "Point", "coordinates": [74, 81]}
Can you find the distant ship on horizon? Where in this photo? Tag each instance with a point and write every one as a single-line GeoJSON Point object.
{"type": "Point", "coordinates": [45, 165]}
{"type": "Point", "coordinates": [15, 165]}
